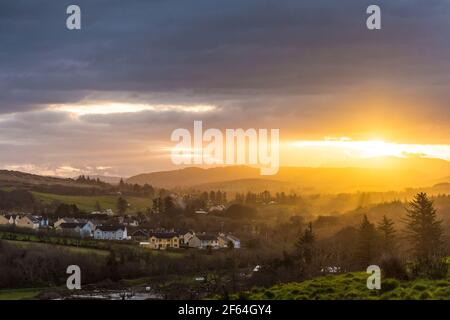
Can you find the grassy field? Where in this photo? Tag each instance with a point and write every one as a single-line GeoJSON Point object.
{"type": "Point", "coordinates": [352, 286]}
{"type": "Point", "coordinates": [84, 246]}
{"type": "Point", "coordinates": [87, 203]}
{"type": "Point", "coordinates": [71, 249]}
{"type": "Point", "coordinates": [19, 294]}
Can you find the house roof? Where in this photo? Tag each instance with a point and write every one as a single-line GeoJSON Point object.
{"type": "Point", "coordinates": [70, 225]}
{"type": "Point", "coordinates": [163, 235]}
{"type": "Point", "coordinates": [109, 228]}
{"type": "Point", "coordinates": [31, 218]}
{"type": "Point", "coordinates": [206, 237]}
{"type": "Point", "coordinates": [68, 220]}
{"type": "Point", "coordinates": [140, 232]}
{"type": "Point", "coordinates": [233, 238]}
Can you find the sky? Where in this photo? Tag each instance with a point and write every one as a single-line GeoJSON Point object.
{"type": "Point", "coordinates": [105, 99]}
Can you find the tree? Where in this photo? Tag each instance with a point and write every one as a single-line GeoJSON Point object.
{"type": "Point", "coordinates": [423, 229]}
{"type": "Point", "coordinates": [169, 205]}
{"type": "Point", "coordinates": [366, 250]}
{"type": "Point", "coordinates": [305, 245]}
{"type": "Point", "coordinates": [122, 205]}
{"type": "Point", "coordinates": [122, 184]}
{"type": "Point", "coordinates": [387, 233]}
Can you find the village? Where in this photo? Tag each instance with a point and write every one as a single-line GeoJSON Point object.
{"type": "Point", "coordinates": [105, 226]}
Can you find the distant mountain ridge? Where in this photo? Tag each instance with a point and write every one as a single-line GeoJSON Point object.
{"type": "Point", "coordinates": [400, 174]}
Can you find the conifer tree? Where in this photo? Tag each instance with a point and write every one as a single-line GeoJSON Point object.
{"type": "Point", "coordinates": [423, 229]}
{"type": "Point", "coordinates": [388, 235]}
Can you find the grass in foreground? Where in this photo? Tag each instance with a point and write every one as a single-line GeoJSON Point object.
{"type": "Point", "coordinates": [19, 294]}
{"type": "Point", "coordinates": [352, 286]}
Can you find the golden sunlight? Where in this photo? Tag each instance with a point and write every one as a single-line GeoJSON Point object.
{"type": "Point", "coordinates": [376, 148]}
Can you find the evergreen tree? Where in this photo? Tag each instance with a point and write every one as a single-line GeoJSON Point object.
{"type": "Point", "coordinates": [423, 229]}
{"type": "Point", "coordinates": [366, 250]}
{"type": "Point", "coordinates": [305, 245]}
{"type": "Point", "coordinates": [122, 205]}
{"type": "Point", "coordinates": [388, 237]}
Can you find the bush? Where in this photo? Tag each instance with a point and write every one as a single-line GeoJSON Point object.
{"type": "Point", "coordinates": [393, 267]}
{"type": "Point", "coordinates": [389, 285]}
{"type": "Point", "coordinates": [269, 294]}
{"type": "Point", "coordinates": [434, 268]}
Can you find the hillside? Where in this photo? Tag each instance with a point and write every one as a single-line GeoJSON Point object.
{"type": "Point", "coordinates": [193, 176]}
{"type": "Point", "coordinates": [352, 286]}
{"type": "Point", "coordinates": [379, 174]}
{"type": "Point", "coordinates": [88, 203]}
{"type": "Point", "coordinates": [245, 185]}
{"type": "Point", "coordinates": [16, 178]}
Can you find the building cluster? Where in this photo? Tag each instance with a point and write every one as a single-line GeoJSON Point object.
{"type": "Point", "coordinates": [24, 221]}
{"type": "Point", "coordinates": [185, 239]}
{"type": "Point", "coordinates": [84, 228]}
{"type": "Point", "coordinates": [116, 229]}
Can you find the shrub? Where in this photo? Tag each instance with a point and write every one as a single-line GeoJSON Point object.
{"type": "Point", "coordinates": [435, 268]}
{"type": "Point", "coordinates": [393, 267]}
{"type": "Point", "coordinates": [425, 295]}
{"type": "Point", "coordinates": [389, 285]}
{"type": "Point", "coordinates": [269, 294]}
{"type": "Point", "coordinates": [419, 287]}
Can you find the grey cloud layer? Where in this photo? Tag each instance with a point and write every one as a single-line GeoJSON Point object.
{"type": "Point", "coordinates": [260, 61]}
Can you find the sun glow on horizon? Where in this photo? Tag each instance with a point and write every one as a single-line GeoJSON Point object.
{"type": "Point", "coordinates": [364, 149]}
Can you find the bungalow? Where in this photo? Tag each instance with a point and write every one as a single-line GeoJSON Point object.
{"type": "Point", "coordinates": [110, 233]}
{"type": "Point", "coordinates": [128, 221]}
{"type": "Point", "coordinates": [64, 220]}
{"type": "Point", "coordinates": [226, 240]}
{"type": "Point", "coordinates": [185, 236]}
{"type": "Point", "coordinates": [13, 218]}
{"type": "Point", "coordinates": [69, 228]}
{"type": "Point", "coordinates": [82, 229]}
{"type": "Point", "coordinates": [4, 220]}
{"type": "Point", "coordinates": [219, 207]}
{"type": "Point", "coordinates": [139, 234]}
{"type": "Point", "coordinates": [28, 221]}
{"type": "Point", "coordinates": [203, 241]}
{"type": "Point", "coordinates": [163, 240]}
{"type": "Point", "coordinates": [43, 221]}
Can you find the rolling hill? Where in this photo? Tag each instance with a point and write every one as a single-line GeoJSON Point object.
{"type": "Point", "coordinates": [16, 178]}
{"type": "Point", "coordinates": [379, 174]}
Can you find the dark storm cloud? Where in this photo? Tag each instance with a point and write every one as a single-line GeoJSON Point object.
{"type": "Point", "coordinates": [286, 64]}
{"type": "Point", "coordinates": [197, 47]}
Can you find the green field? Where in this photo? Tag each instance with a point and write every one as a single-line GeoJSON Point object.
{"type": "Point", "coordinates": [352, 286]}
{"type": "Point", "coordinates": [87, 203]}
{"type": "Point", "coordinates": [19, 294]}
{"type": "Point", "coordinates": [71, 249]}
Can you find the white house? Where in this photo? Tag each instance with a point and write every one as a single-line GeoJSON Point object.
{"type": "Point", "coordinates": [12, 218]}
{"type": "Point", "coordinates": [64, 220]}
{"type": "Point", "coordinates": [110, 233]}
{"type": "Point", "coordinates": [28, 221]}
{"type": "Point", "coordinates": [235, 241]}
{"type": "Point", "coordinates": [69, 228]}
{"type": "Point", "coordinates": [185, 236]}
{"type": "Point", "coordinates": [203, 241]}
{"type": "Point", "coordinates": [4, 220]}
{"type": "Point", "coordinates": [219, 207]}
{"type": "Point", "coordinates": [82, 229]}
{"type": "Point", "coordinates": [43, 221]}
